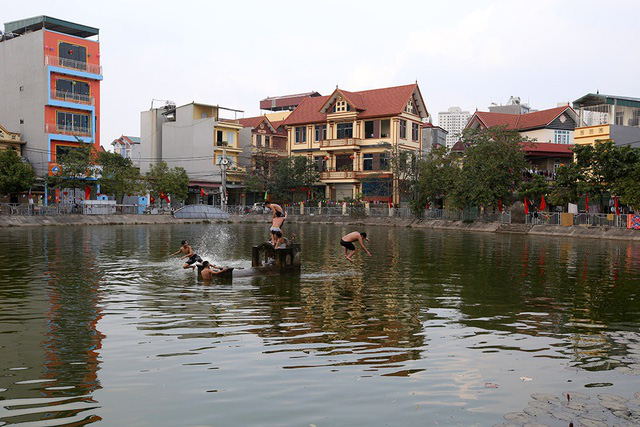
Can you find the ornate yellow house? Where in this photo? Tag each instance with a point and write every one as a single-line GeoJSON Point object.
{"type": "Point", "coordinates": [10, 140]}
{"type": "Point", "coordinates": [351, 137]}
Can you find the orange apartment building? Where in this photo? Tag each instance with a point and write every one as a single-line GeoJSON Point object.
{"type": "Point", "coordinates": [50, 81]}
{"type": "Point", "coordinates": [351, 137]}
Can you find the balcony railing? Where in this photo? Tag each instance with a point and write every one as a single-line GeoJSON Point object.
{"type": "Point", "coordinates": [67, 129]}
{"type": "Point", "coordinates": [339, 142]}
{"type": "Point", "coordinates": [56, 61]}
{"type": "Point", "coordinates": [337, 175]}
{"type": "Point", "coordinates": [268, 150]}
{"type": "Point", "coordinates": [72, 97]}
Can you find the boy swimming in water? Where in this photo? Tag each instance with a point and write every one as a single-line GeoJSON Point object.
{"type": "Point", "coordinates": [208, 272]}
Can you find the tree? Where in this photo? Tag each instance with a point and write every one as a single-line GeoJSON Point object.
{"type": "Point", "coordinates": [534, 188]}
{"type": "Point", "coordinates": [436, 177]}
{"type": "Point", "coordinates": [261, 171]}
{"type": "Point", "coordinates": [491, 169]}
{"type": "Point", "coordinates": [15, 175]}
{"type": "Point", "coordinates": [172, 182]}
{"type": "Point", "coordinates": [602, 165]}
{"type": "Point", "coordinates": [118, 175]}
{"type": "Point", "coordinates": [628, 188]}
{"type": "Point", "coordinates": [76, 165]}
{"type": "Point", "coordinates": [569, 185]}
{"type": "Point", "coordinates": [292, 174]}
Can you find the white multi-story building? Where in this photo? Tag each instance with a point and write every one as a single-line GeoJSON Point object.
{"type": "Point", "coordinates": [453, 121]}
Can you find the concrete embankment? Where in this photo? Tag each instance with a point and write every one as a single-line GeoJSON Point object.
{"type": "Point", "coordinates": [537, 230]}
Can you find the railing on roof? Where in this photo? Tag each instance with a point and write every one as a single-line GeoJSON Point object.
{"type": "Point", "coordinates": [56, 61]}
{"type": "Point", "coordinates": [72, 97]}
{"type": "Point", "coordinates": [339, 142]}
{"type": "Point", "coordinates": [337, 174]}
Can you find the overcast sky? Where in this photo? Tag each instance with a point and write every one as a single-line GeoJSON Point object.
{"type": "Point", "coordinates": [462, 53]}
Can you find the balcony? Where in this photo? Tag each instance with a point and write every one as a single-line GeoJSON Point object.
{"type": "Point", "coordinates": [340, 143]}
{"type": "Point", "coordinates": [61, 95]}
{"type": "Point", "coordinates": [268, 150]}
{"type": "Point", "coordinates": [56, 61]}
{"type": "Point", "coordinates": [337, 175]}
{"type": "Point", "coordinates": [67, 129]}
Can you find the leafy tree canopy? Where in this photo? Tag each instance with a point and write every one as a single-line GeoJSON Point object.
{"type": "Point", "coordinates": [15, 175]}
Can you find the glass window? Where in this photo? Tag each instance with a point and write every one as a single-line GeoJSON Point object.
{"type": "Point", "coordinates": [320, 133]}
{"type": "Point", "coordinates": [321, 163]}
{"type": "Point", "coordinates": [415, 130]}
{"type": "Point", "coordinates": [231, 138]}
{"type": "Point", "coordinates": [561, 137]}
{"type": "Point", "coordinates": [267, 141]}
{"type": "Point", "coordinates": [403, 129]}
{"type": "Point", "coordinates": [367, 162]}
{"type": "Point", "coordinates": [344, 130]}
{"type": "Point", "coordinates": [301, 134]}
{"type": "Point", "coordinates": [74, 53]}
{"type": "Point", "coordinates": [385, 128]}
{"type": "Point", "coordinates": [369, 130]}
{"type": "Point", "coordinates": [384, 161]}
{"type": "Point", "coordinates": [219, 137]}
{"type": "Point", "coordinates": [258, 140]}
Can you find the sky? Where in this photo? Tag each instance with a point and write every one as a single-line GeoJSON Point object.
{"type": "Point", "coordinates": [461, 53]}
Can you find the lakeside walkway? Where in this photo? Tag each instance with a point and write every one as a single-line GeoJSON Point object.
{"type": "Point", "coordinates": [591, 232]}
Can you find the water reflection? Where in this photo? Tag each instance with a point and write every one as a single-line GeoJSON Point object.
{"type": "Point", "coordinates": [108, 326]}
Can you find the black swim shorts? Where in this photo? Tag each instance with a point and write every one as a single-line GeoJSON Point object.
{"type": "Point", "coordinates": [195, 258]}
{"type": "Point", "coordinates": [279, 214]}
{"type": "Point", "coordinates": [348, 245]}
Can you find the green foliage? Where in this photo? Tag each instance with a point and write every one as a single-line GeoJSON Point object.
{"type": "Point", "coordinates": [628, 187]}
{"type": "Point", "coordinates": [436, 177]}
{"type": "Point", "coordinates": [118, 175]}
{"type": "Point", "coordinates": [568, 187]}
{"type": "Point", "coordinates": [15, 175]}
{"type": "Point", "coordinates": [173, 182]}
{"type": "Point", "coordinates": [76, 165]}
{"type": "Point", "coordinates": [533, 189]}
{"type": "Point", "coordinates": [492, 167]}
{"type": "Point", "coordinates": [261, 171]}
{"type": "Point", "coordinates": [291, 174]}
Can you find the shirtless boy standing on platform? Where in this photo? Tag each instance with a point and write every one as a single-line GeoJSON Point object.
{"type": "Point", "coordinates": [278, 218]}
{"type": "Point", "coordinates": [347, 243]}
{"type": "Point", "coordinates": [188, 253]}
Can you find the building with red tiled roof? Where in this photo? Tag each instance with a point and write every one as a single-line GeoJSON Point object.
{"type": "Point", "coordinates": [350, 135]}
{"type": "Point", "coordinates": [555, 125]}
{"type": "Point", "coordinates": [262, 143]}
{"type": "Point", "coordinates": [285, 102]}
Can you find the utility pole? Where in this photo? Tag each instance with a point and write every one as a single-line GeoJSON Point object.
{"type": "Point", "coordinates": [223, 195]}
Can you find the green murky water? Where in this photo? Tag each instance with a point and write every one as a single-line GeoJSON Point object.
{"type": "Point", "coordinates": [99, 325]}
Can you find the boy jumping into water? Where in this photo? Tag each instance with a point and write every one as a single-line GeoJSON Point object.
{"type": "Point", "coordinates": [188, 253]}
{"type": "Point", "coordinates": [347, 243]}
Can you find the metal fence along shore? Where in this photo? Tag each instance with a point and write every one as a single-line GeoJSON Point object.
{"type": "Point", "coordinates": [328, 212]}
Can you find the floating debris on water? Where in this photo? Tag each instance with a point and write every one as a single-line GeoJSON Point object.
{"type": "Point", "coordinates": [578, 409]}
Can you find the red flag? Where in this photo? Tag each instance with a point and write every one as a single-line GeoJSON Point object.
{"type": "Point", "coordinates": [586, 203]}
{"type": "Point", "coordinates": [615, 203]}
{"type": "Point", "coordinates": [390, 203]}
{"type": "Point", "coordinates": [543, 204]}
{"type": "Point", "coordinates": [500, 205]}
{"type": "Point", "coordinates": [201, 192]}
{"type": "Point", "coordinates": [87, 192]}
{"type": "Point", "coordinates": [152, 200]}
{"type": "Point", "coordinates": [526, 207]}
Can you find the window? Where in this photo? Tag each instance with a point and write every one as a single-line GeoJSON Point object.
{"type": "Point", "coordinates": [384, 161]}
{"type": "Point", "coordinates": [561, 136]}
{"type": "Point", "coordinates": [75, 53]}
{"type": "Point", "coordinates": [341, 106]}
{"type": "Point", "coordinates": [620, 118]}
{"type": "Point", "coordinates": [415, 131]}
{"type": "Point", "coordinates": [403, 129]}
{"type": "Point", "coordinates": [267, 141]}
{"type": "Point", "coordinates": [301, 134]}
{"type": "Point", "coordinates": [72, 122]}
{"type": "Point", "coordinates": [385, 128]}
{"type": "Point", "coordinates": [344, 130]}
{"type": "Point", "coordinates": [321, 132]}
{"type": "Point", "coordinates": [258, 140]}
{"type": "Point", "coordinates": [409, 108]}
{"type": "Point", "coordinates": [231, 137]}
{"type": "Point", "coordinates": [369, 130]}
{"type": "Point", "coordinates": [72, 86]}
{"type": "Point", "coordinates": [63, 150]}
{"type": "Point", "coordinates": [320, 163]}
{"type": "Point", "coordinates": [219, 137]}
{"type": "Point", "coordinates": [367, 162]}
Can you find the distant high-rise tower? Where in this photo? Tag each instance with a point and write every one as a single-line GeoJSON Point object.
{"type": "Point", "coordinates": [50, 85]}
{"type": "Point", "coordinates": [453, 121]}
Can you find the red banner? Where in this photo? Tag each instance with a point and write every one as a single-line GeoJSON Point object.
{"type": "Point", "coordinates": [526, 207]}
{"type": "Point", "coordinates": [543, 204]}
{"type": "Point", "coordinates": [586, 203]}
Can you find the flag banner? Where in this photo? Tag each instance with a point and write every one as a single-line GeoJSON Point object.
{"type": "Point", "coordinates": [526, 207]}
{"type": "Point", "coordinates": [543, 204]}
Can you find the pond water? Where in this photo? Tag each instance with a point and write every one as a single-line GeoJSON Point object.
{"type": "Point", "coordinates": [101, 325]}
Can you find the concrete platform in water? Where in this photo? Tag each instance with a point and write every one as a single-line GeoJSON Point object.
{"type": "Point", "coordinates": [267, 260]}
